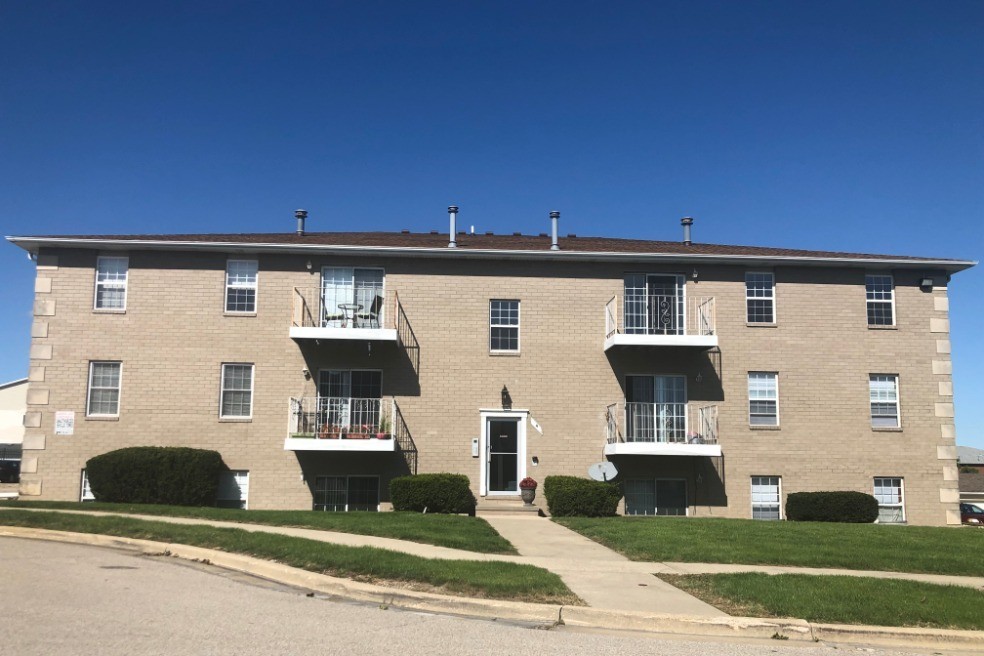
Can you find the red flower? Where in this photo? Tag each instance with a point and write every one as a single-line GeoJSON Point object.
{"type": "Point", "coordinates": [527, 484]}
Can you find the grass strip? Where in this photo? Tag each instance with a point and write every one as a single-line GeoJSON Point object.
{"type": "Point", "coordinates": [453, 531]}
{"type": "Point", "coordinates": [838, 599]}
{"type": "Point", "coordinates": [924, 549]}
{"type": "Point", "coordinates": [492, 579]}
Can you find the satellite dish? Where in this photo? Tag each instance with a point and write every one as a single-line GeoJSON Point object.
{"type": "Point", "coordinates": [603, 471]}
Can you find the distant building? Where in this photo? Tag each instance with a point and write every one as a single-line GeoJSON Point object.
{"type": "Point", "coordinates": [971, 464]}
{"type": "Point", "coordinates": [13, 405]}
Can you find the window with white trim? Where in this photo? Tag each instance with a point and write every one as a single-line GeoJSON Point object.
{"type": "Point", "coordinates": [760, 298]}
{"type": "Point", "coordinates": [111, 277]}
{"type": "Point", "coordinates": [890, 493]}
{"type": "Point", "coordinates": [104, 389]}
{"type": "Point", "coordinates": [883, 394]}
{"type": "Point", "coordinates": [85, 493]}
{"type": "Point", "coordinates": [766, 497]}
{"type": "Point", "coordinates": [504, 326]}
{"type": "Point", "coordinates": [346, 493]}
{"type": "Point", "coordinates": [763, 398]}
{"type": "Point", "coordinates": [241, 286]}
{"type": "Point", "coordinates": [237, 391]}
{"type": "Point", "coordinates": [880, 294]}
{"type": "Point", "coordinates": [233, 489]}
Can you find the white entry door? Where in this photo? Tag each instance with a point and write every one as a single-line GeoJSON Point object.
{"type": "Point", "coordinates": [504, 451]}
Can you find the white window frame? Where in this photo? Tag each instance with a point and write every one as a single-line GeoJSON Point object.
{"type": "Point", "coordinates": [775, 377]}
{"type": "Point", "coordinates": [778, 502]}
{"type": "Point", "coordinates": [243, 489]}
{"type": "Point", "coordinates": [890, 301]}
{"type": "Point", "coordinates": [255, 286]}
{"type": "Point", "coordinates": [771, 297]}
{"type": "Point", "coordinates": [114, 283]}
{"type": "Point", "coordinates": [85, 490]}
{"type": "Point", "coordinates": [119, 389]}
{"type": "Point", "coordinates": [223, 390]}
{"type": "Point", "coordinates": [898, 401]}
{"type": "Point", "coordinates": [900, 504]}
{"type": "Point", "coordinates": [519, 322]}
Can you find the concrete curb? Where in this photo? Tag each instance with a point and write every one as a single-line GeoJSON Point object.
{"type": "Point", "coordinates": [547, 614]}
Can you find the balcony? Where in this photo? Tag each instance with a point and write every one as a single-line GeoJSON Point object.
{"type": "Point", "coordinates": [662, 429]}
{"type": "Point", "coordinates": [359, 311]}
{"type": "Point", "coordinates": [325, 423]}
{"type": "Point", "coordinates": [660, 320]}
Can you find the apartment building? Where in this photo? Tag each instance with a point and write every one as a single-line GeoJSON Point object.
{"type": "Point", "coordinates": [717, 379]}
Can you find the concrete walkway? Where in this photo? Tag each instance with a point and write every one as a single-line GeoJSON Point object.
{"type": "Point", "coordinates": [603, 578]}
{"type": "Point", "coordinates": [596, 574]}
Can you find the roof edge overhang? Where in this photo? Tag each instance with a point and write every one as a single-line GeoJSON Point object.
{"type": "Point", "coordinates": [32, 244]}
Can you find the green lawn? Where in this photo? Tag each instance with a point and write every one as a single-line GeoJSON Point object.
{"type": "Point", "coordinates": [931, 550]}
{"type": "Point", "coordinates": [491, 579]}
{"type": "Point", "coordinates": [454, 531]}
{"type": "Point", "coordinates": [838, 599]}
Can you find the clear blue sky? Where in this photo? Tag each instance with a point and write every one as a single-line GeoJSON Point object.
{"type": "Point", "coordinates": [838, 125]}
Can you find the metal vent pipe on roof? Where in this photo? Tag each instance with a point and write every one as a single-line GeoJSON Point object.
{"type": "Point", "coordinates": [554, 219]}
{"type": "Point", "coordinates": [686, 222]}
{"type": "Point", "coordinates": [453, 215]}
{"type": "Point", "coordinates": [301, 215]}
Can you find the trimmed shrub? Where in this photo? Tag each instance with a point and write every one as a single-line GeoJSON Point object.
{"type": "Point", "coordinates": [570, 496]}
{"type": "Point", "coordinates": [850, 507]}
{"type": "Point", "coordinates": [448, 494]}
{"type": "Point", "coordinates": [175, 476]}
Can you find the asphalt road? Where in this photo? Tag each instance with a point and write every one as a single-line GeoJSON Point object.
{"type": "Point", "coordinates": [69, 599]}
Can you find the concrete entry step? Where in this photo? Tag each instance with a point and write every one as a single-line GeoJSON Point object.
{"type": "Point", "coordinates": [505, 506]}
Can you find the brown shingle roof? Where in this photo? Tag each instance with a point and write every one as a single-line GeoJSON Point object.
{"type": "Point", "coordinates": [571, 244]}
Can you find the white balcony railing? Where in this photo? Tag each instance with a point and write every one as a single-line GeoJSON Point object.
{"type": "Point", "coordinates": [661, 423]}
{"type": "Point", "coordinates": [331, 417]}
{"type": "Point", "coordinates": [660, 320]}
{"type": "Point", "coordinates": [343, 306]}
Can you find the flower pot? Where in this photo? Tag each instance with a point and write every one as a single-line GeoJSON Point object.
{"type": "Point", "coordinates": [528, 495]}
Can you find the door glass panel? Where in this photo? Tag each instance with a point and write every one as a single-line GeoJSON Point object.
{"type": "Point", "coordinates": [640, 497]}
{"type": "Point", "coordinates": [665, 296]}
{"type": "Point", "coordinates": [363, 493]}
{"type": "Point", "coordinates": [503, 438]}
{"type": "Point", "coordinates": [671, 497]}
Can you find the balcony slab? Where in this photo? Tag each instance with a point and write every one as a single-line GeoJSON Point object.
{"type": "Point", "coordinates": [349, 445]}
{"type": "Point", "coordinates": [661, 449]}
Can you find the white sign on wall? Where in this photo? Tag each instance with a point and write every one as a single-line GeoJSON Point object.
{"type": "Point", "coordinates": [65, 422]}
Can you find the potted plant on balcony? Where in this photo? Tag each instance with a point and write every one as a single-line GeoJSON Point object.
{"type": "Point", "coordinates": [384, 428]}
{"type": "Point", "coordinates": [527, 488]}
{"type": "Point", "coordinates": [330, 432]}
{"type": "Point", "coordinates": [358, 432]}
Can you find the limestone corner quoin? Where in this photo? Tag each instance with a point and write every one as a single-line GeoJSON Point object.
{"type": "Point", "coordinates": [631, 382]}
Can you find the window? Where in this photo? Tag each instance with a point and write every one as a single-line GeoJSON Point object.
{"type": "Point", "coordinates": [881, 300]}
{"type": "Point", "coordinates": [241, 286]}
{"type": "Point", "coordinates": [346, 493]}
{"type": "Point", "coordinates": [760, 298]}
{"type": "Point", "coordinates": [233, 489]}
{"type": "Point", "coordinates": [883, 392]}
{"type": "Point", "coordinates": [111, 275]}
{"type": "Point", "coordinates": [766, 497]}
{"type": "Point", "coordinates": [654, 304]}
{"type": "Point", "coordinates": [763, 398]}
{"type": "Point", "coordinates": [237, 391]}
{"type": "Point", "coordinates": [104, 389]}
{"type": "Point", "coordinates": [891, 500]}
{"type": "Point", "coordinates": [85, 493]}
{"type": "Point", "coordinates": [504, 326]}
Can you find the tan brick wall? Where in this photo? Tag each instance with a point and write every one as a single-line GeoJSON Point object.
{"type": "Point", "coordinates": [174, 336]}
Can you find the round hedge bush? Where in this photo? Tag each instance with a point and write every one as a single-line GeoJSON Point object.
{"type": "Point", "coordinates": [570, 496]}
{"type": "Point", "coordinates": [448, 494]}
{"type": "Point", "coordinates": [175, 476]}
{"type": "Point", "coordinates": [844, 506]}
